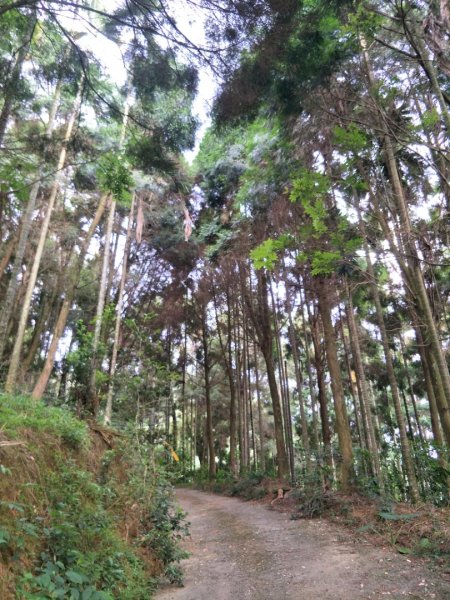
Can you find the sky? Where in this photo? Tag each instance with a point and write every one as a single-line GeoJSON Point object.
{"type": "Point", "coordinates": [191, 23]}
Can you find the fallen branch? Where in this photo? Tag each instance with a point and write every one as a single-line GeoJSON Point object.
{"type": "Point", "coordinates": [7, 443]}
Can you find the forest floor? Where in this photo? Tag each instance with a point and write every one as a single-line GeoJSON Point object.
{"type": "Point", "coordinates": [243, 550]}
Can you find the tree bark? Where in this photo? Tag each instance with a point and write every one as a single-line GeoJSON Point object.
{"type": "Point", "coordinates": [73, 276]}
{"type": "Point", "coordinates": [265, 337]}
{"type": "Point", "coordinates": [119, 307]}
{"type": "Point", "coordinates": [404, 444]}
{"type": "Point", "coordinates": [15, 358]}
{"type": "Point", "coordinates": [209, 421]}
{"type": "Point", "coordinates": [25, 229]}
{"type": "Point", "coordinates": [342, 425]}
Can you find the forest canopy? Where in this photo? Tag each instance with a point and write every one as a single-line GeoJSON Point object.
{"type": "Point", "coordinates": [282, 304]}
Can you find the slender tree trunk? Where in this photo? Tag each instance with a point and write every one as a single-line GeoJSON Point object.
{"type": "Point", "coordinates": [237, 358]}
{"type": "Point", "coordinates": [74, 272]}
{"type": "Point", "coordinates": [232, 384]}
{"type": "Point", "coordinates": [245, 398]}
{"type": "Point", "coordinates": [93, 397]}
{"type": "Point", "coordinates": [262, 456]}
{"type": "Point", "coordinates": [15, 358]}
{"type": "Point", "coordinates": [266, 344]}
{"type": "Point", "coordinates": [227, 354]}
{"type": "Point", "coordinates": [323, 400]}
{"type": "Point", "coordinates": [25, 230]}
{"type": "Point", "coordinates": [312, 391]}
{"type": "Point", "coordinates": [363, 391]}
{"type": "Point", "coordinates": [250, 397]}
{"type": "Point", "coordinates": [184, 408]}
{"type": "Point", "coordinates": [285, 400]}
{"type": "Point", "coordinates": [44, 313]}
{"type": "Point", "coordinates": [404, 444]}
{"type": "Point", "coordinates": [342, 425]}
{"type": "Point", "coordinates": [119, 308]}
{"type": "Point", "coordinates": [410, 389]}
{"type": "Point", "coordinates": [209, 422]}
{"type": "Point", "coordinates": [8, 251]}
{"type": "Point", "coordinates": [354, 390]}
{"type": "Point", "coordinates": [434, 413]}
{"type": "Point", "coordinates": [299, 381]}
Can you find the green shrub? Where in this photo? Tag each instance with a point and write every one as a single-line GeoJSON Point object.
{"type": "Point", "coordinates": [21, 412]}
{"type": "Point", "coordinates": [61, 537]}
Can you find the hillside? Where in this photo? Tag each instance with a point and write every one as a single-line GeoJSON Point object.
{"type": "Point", "coordinates": [85, 513]}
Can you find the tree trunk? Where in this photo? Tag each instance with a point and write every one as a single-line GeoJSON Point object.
{"type": "Point", "coordinates": [266, 344]}
{"type": "Point", "coordinates": [285, 400]}
{"type": "Point", "coordinates": [119, 307]}
{"type": "Point", "coordinates": [93, 397]}
{"type": "Point", "coordinates": [262, 457]}
{"type": "Point", "coordinates": [209, 422]}
{"type": "Point", "coordinates": [15, 358]}
{"type": "Point", "coordinates": [73, 276]}
{"type": "Point", "coordinates": [299, 381]}
{"type": "Point", "coordinates": [363, 391]}
{"type": "Point", "coordinates": [8, 251]}
{"type": "Point", "coordinates": [25, 229]}
{"type": "Point", "coordinates": [342, 426]}
{"type": "Point", "coordinates": [404, 444]}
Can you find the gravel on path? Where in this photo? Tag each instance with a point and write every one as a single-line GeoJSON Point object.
{"type": "Point", "coordinates": [242, 550]}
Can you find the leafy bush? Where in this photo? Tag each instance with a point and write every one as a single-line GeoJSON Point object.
{"type": "Point", "coordinates": [60, 532]}
{"type": "Point", "coordinates": [20, 412]}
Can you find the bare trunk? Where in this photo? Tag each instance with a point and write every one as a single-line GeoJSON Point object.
{"type": "Point", "coordinates": [342, 425]}
{"type": "Point", "coordinates": [209, 422]}
{"type": "Point", "coordinates": [299, 382]}
{"type": "Point", "coordinates": [262, 457]}
{"type": "Point", "coordinates": [25, 229]}
{"type": "Point", "coordinates": [93, 398]}
{"type": "Point", "coordinates": [74, 271]}
{"type": "Point", "coordinates": [15, 358]}
{"type": "Point", "coordinates": [363, 392]}
{"type": "Point", "coordinates": [404, 444]}
{"type": "Point", "coordinates": [266, 344]}
{"type": "Point", "coordinates": [119, 307]}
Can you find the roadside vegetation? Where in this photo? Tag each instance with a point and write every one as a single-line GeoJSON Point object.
{"type": "Point", "coordinates": [85, 513]}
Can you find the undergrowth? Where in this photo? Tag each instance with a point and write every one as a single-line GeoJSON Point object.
{"type": "Point", "coordinates": [78, 520]}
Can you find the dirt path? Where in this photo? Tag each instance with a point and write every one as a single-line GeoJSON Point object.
{"type": "Point", "coordinates": [241, 550]}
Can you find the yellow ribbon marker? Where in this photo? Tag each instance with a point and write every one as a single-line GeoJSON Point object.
{"type": "Point", "coordinates": [175, 456]}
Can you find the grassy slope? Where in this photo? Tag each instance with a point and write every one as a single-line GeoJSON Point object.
{"type": "Point", "coordinates": [79, 519]}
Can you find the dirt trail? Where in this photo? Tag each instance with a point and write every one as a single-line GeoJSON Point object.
{"type": "Point", "coordinates": [242, 550]}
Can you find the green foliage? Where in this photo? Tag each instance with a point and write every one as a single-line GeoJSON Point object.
{"type": "Point", "coordinates": [82, 551]}
{"type": "Point", "coordinates": [65, 524]}
{"type": "Point", "coordinates": [310, 188]}
{"type": "Point", "coordinates": [364, 21]}
{"type": "Point", "coordinates": [266, 254]}
{"type": "Point", "coordinates": [167, 528]}
{"type": "Point", "coordinates": [114, 177]}
{"type": "Point", "coordinates": [249, 487]}
{"type": "Point", "coordinates": [430, 119]}
{"type": "Point", "coordinates": [350, 139]}
{"type": "Point", "coordinates": [19, 412]}
{"type": "Point", "coordinates": [390, 516]}
{"type": "Point", "coordinates": [16, 174]}
{"type": "Point", "coordinates": [325, 262]}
